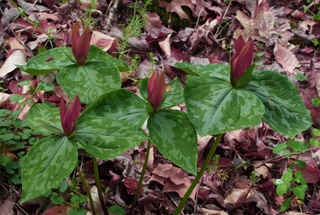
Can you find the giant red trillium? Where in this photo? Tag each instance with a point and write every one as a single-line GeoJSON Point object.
{"type": "Point", "coordinates": [69, 115]}
{"type": "Point", "coordinates": [156, 88]}
{"type": "Point", "coordinates": [80, 45]}
{"type": "Point", "coordinates": [242, 59]}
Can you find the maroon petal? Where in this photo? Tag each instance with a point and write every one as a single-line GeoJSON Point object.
{"type": "Point", "coordinates": [75, 38]}
{"type": "Point", "coordinates": [69, 116]}
{"type": "Point", "coordinates": [83, 46]}
{"type": "Point", "coordinates": [151, 84]}
{"type": "Point", "coordinates": [158, 90]}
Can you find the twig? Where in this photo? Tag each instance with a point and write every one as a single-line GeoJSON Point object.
{"type": "Point", "coordinates": [111, 13]}
{"type": "Point", "coordinates": [283, 156]}
{"type": "Point", "coordinates": [14, 33]}
{"type": "Point", "coordinates": [196, 198]}
{"type": "Point", "coordinates": [225, 13]}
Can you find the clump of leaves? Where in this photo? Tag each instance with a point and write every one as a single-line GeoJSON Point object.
{"type": "Point", "coordinates": [293, 181]}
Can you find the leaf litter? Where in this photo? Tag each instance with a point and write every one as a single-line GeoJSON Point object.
{"type": "Point", "coordinates": [286, 34]}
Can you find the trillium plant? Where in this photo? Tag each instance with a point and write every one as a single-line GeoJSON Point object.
{"type": "Point", "coordinates": [218, 98]}
{"type": "Point", "coordinates": [222, 98]}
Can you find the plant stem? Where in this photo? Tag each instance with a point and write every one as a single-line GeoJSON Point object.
{"type": "Point", "coordinates": [135, 199]}
{"type": "Point", "coordinates": [199, 175]}
{"type": "Point", "coordinates": [96, 176]}
{"type": "Point", "coordinates": [87, 189]}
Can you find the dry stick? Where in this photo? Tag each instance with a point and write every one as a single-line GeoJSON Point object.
{"type": "Point", "coordinates": [196, 199]}
{"type": "Point", "coordinates": [135, 199]}
{"type": "Point", "coordinates": [225, 13]}
{"type": "Point", "coordinates": [199, 175]}
{"type": "Point", "coordinates": [87, 189]}
{"type": "Point", "coordinates": [283, 156]}
{"type": "Point", "coordinates": [96, 176]}
{"type": "Point", "coordinates": [111, 14]}
{"type": "Point", "coordinates": [21, 43]}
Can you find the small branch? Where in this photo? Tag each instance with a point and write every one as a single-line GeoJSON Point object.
{"type": "Point", "coordinates": [96, 176]}
{"type": "Point", "coordinates": [111, 13]}
{"type": "Point", "coordinates": [225, 13]}
{"type": "Point", "coordinates": [21, 43]}
{"type": "Point", "coordinates": [87, 189]}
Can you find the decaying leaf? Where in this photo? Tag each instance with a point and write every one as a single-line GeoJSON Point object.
{"type": "Point", "coordinates": [175, 6]}
{"type": "Point", "coordinates": [286, 58]}
{"type": "Point", "coordinates": [17, 56]}
{"type": "Point", "coordinates": [173, 179]}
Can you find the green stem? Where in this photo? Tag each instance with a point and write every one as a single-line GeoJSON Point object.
{"type": "Point", "coordinates": [96, 176]}
{"type": "Point", "coordinates": [87, 189]}
{"type": "Point", "coordinates": [199, 175]}
{"type": "Point", "coordinates": [135, 199]}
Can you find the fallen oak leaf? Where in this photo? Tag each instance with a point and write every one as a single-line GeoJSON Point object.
{"type": "Point", "coordinates": [286, 58]}
{"type": "Point", "coordinates": [173, 179]}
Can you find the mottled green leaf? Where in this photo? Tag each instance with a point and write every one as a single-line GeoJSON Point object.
{"type": "Point", "coordinates": [211, 70]}
{"type": "Point", "coordinates": [214, 106]}
{"type": "Point", "coordinates": [89, 81]}
{"type": "Point", "coordinates": [106, 138]}
{"type": "Point", "coordinates": [40, 114]}
{"type": "Point", "coordinates": [46, 164]}
{"type": "Point", "coordinates": [105, 57]}
{"type": "Point", "coordinates": [119, 104]}
{"type": "Point", "coordinates": [143, 88]}
{"type": "Point", "coordinates": [39, 65]}
{"type": "Point", "coordinates": [285, 111]}
{"type": "Point", "coordinates": [175, 137]}
{"type": "Point", "coordinates": [175, 96]}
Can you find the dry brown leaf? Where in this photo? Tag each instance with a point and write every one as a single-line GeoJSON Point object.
{"type": "Point", "coordinates": [175, 6]}
{"type": "Point", "coordinates": [102, 40]}
{"type": "Point", "coordinates": [4, 98]}
{"type": "Point", "coordinates": [6, 208]}
{"type": "Point", "coordinates": [286, 58]}
{"type": "Point", "coordinates": [17, 56]}
{"type": "Point", "coordinates": [165, 46]}
{"type": "Point", "coordinates": [262, 26]}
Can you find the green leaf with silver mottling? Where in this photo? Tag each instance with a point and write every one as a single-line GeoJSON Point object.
{"type": "Point", "coordinates": [176, 94]}
{"type": "Point", "coordinates": [106, 138]}
{"type": "Point", "coordinates": [214, 106]}
{"type": "Point", "coordinates": [211, 70]}
{"type": "Point", "coordinates": [175, 137]}
{"type": "Point", "coordinates": [285, 111]}
{"type": "Point", "coordinates": [100, 55]}
{"type": "Point", "coordinates": [39, 65]}
{"type": "Point", "coordinates": [119, 104]}
{"type": "Point", "coordinates": [40, 114]}
{"type": "Point", "coordinates": [89, 81]}
{"type": "Point", "coordinates": [46, 164]}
